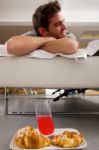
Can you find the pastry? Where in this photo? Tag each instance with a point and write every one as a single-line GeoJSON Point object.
{"type": "Point", "coordinates": [68, 139]}
{"type": "Point", "coordinates": [29, 137]}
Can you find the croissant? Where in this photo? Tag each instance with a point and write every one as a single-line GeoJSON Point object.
{"type": "Point", "coordinates": [29, 137]}
{"type": "Point", "coordinates": [68, 139]}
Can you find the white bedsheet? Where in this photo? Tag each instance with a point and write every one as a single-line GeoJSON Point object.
{"type": "Point", "coordinates": [92, 47]}
{"type": "Point", "coordinates": [90, 50]}
{"type": "Point", "coordinates": [3, 50]}
{"type": "Point", "coordinates": [81, 55]}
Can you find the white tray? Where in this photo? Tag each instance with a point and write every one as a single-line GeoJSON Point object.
{"type": "Point", "coordinates": [13, 146]}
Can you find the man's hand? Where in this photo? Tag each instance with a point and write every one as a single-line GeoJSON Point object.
{"type": "Point", "coordinates": [63, 45]}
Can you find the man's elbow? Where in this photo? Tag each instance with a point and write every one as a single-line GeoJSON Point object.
{"type": "Point", "coordinates": [11, 45]}
{"type": "Point", "coordinates": [74, 47]}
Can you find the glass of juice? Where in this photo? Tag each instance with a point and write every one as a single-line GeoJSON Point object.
{"type": "Point", "coordinates": [44, 117]}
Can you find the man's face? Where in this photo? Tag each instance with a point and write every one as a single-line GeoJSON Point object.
{"type": "Point", "coordinates": [57, 27]}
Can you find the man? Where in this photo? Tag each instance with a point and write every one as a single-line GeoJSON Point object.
{"type": "Point", "coordinates": [49, 33]}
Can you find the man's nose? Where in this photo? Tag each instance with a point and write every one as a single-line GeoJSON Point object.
{"type": "Point", "coordinates": [64, 26]}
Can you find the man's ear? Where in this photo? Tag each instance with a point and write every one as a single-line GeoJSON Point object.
{"type": "Point", "coordinates": [42, 31]}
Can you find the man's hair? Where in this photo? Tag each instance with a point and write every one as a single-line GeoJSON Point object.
{"type": "Point", "coordinates": [43, 14]}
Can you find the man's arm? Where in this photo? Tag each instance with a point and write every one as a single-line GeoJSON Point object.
{"type": "Point", "coordinates": [63, 45]}
{"type": "Point", "coordinates": [22, 45]}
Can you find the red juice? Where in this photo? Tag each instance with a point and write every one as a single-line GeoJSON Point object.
{"type": "Point", "coordinates": [45, 124]}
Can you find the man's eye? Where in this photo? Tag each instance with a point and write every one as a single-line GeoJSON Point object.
{"type": "Point", "coordinates": [59, 23]}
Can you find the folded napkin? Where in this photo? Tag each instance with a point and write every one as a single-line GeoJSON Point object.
{"type": "Point", "coordinates": [79, 55]}
{"type": "Point", "coordinates": [92, 47]}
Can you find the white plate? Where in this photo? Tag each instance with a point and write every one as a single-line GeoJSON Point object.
{"type": "Point", "coordinates": [13, 146]}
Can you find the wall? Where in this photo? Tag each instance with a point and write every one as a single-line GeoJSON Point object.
{"type": "Point", "coordinates": [18, 10]}
{"type": "Point", "coordinates": [81, 5]}
{"type": "Point", "coordinates": [15, 16]}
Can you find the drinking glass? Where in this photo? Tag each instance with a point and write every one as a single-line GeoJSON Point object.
{"type": "Point", "coordinates": [44, 117]}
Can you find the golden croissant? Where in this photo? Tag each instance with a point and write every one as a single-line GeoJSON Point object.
{"type": "Point", "coordinates": [29, 137]}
